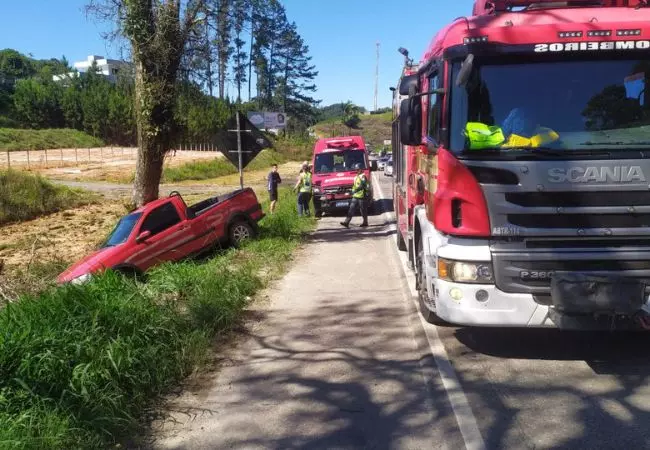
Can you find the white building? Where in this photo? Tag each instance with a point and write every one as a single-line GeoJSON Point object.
{"type": "Point", "coordinates": [110, 68]}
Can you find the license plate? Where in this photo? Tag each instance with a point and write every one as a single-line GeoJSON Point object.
{"type": "Point", "coordinates": [342, 204]}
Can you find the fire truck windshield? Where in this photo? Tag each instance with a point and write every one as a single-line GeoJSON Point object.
{"type": "Point", "coordinates": [338, 161]}
{"type": "Point", "coordinates": [565, 105]}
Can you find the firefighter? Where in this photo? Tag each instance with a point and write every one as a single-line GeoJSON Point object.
{"type": "Point", "coordinates": [303, 186]}
{"type": "Point", "coordinates": [360, 194]}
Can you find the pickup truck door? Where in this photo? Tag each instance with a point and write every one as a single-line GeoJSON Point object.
{"type": "Point", "coordinates": [169, 234]}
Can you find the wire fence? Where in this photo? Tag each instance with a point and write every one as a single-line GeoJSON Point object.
{"type": "Point", "coordinates": [70, 157]}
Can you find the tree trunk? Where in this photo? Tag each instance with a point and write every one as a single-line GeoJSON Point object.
{"type": "Point", "coordinates": [152, 95]}
{"type": "Point", "coordinates": [148, 171]}
{"type": "Point", "coordinates": [250, 53]}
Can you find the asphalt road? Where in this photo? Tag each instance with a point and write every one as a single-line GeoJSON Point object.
{"type": "Point", "coordinates": [339, 358]}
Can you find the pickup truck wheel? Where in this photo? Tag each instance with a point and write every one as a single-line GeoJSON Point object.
{"type": "Point", "coordinates": [239, 232]}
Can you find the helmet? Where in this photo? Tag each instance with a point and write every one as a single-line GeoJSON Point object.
{"type": "Point", "coordinates": [357, 166]}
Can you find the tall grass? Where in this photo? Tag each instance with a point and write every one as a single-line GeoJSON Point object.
{"type": "Point", "coordinates": [20, 139]}
{"type": "Point", "coordinates": [24, 196]}
{"type": "Point", "coordinates": [79, 365]}
{"type": "Point", "coordinates": [218, 167]}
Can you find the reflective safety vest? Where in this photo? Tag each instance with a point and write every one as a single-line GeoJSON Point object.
{"type": "Point", "coordinates": [481, 136]}
{"type": "Point", "coordinates": [305, 182]}
{"type": "Point", "coordinates": [360, 187]}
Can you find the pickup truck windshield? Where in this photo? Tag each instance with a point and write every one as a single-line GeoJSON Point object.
{"type": "Point", "coordinates": [559, 104]}
{"type": "Point", "coordinates": [122, 230]}
{"type": "Point", "coordinates": [339, 161]}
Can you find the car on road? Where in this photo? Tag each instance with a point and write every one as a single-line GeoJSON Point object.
{"type": "Point", "coordinates": [388, 168]}
{"type": "Point", "coordinates": [381, 163]}
{"type": "Point", "coordinates": [169, 230]}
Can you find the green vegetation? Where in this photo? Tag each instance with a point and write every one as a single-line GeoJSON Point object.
{"type": "Point", "coordinates": [17, 139]}
{"type": "Point", "coordinates": [81, 364]}
{"type": "Point", "coordinates": [218, 167]}
{"type": "Point", "coordinates": [24, 196]}
{"type": "Point", "coordinates": [375, 128]}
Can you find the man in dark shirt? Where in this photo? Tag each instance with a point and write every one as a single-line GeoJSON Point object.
{"type": "Point", "coordinates": [273, 181]}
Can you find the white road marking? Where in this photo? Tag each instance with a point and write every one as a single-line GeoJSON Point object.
{"type": "Point", "coordinates": [460, 405]}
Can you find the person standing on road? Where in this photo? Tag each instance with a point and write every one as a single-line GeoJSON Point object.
{"type": "Point", "coordinates": [360, 194]}
{"type": "Point", "coordinates": [273, 180]}
{"type": "Point", "coordinates": [303, 186]}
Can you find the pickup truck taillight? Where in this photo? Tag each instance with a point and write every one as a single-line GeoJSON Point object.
{"type": "Point", "coordinates": [459, 206]}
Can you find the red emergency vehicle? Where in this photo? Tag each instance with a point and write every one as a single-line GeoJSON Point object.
{"type": "Point", "coordinates": [522, 145]}
{"type": "Point", "coordinates": [333, 173]}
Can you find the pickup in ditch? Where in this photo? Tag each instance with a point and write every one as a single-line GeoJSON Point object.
{"type": "Point", "coordinates": [169, 230]}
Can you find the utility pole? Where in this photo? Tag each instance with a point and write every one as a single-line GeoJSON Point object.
{"type": "Point", "coordinates": [377, 76]}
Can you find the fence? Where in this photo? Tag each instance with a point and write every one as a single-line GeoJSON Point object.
{"type": "Point", "coordinates": [70, 157]}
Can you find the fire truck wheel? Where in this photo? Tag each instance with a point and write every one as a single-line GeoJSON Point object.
{"type": "Point", "coordinates": [421, 286]}
{"type": "Point", "coordinates": [401, 244]}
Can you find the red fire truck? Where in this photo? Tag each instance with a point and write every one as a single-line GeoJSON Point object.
{"type": "Point", "coordinates": [522, 180]}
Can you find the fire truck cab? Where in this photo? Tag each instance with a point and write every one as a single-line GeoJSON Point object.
{"type": "Point", "coordinates": [333, 163]}
{"type": "Point", "coordinates": [523, 136]}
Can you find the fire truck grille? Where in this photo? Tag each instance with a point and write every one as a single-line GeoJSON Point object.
{"type": "Point", "coordinates": [530, 273]}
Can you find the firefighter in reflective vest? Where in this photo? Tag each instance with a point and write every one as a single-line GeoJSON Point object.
{"type": "Point", "coordinates": [304, 190]}
{"type": "Point", "coordinates": [360, 195]}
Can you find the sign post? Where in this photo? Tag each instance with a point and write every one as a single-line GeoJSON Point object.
{"type": "Point", "coordinates": [243, 148]}
{"type": "Point", "coordinates": [241, 168]}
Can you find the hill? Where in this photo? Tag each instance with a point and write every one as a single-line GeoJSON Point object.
{"type": "Point", "coordinates": [375, 128]}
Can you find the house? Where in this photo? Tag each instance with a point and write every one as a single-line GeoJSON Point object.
{"type": "Point", "coordinates": [110, 68]}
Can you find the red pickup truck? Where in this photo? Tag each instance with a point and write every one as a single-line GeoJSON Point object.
{"type": "Point", "coordinates": [169, 230]}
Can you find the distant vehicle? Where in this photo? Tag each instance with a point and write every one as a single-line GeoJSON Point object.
{"type": "Point", "coordinates": [388, 169]}
{"type": "Point", "coordinates": [169, 230]}
{"type": "Point", "coordinates": [382, 162]}
{"type": "Point", "coordinates": [333, 174]}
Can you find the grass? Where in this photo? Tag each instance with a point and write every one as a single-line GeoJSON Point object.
{"type": "Point", "coordinates": [81, 365]}
{"type": "Point", "coordinates": [19, 139]}
{"type": "Point", "coordinates": [218, 167]}
{"type": "Point", "coordinates": [24, 196]}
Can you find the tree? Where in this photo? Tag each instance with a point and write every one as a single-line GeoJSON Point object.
{"type": "Point", "coordinates": [158, 31]}
{"type": "Point", "coordinates": [223, 40]}
{"type": "Point", "coordinates": [240, 16]}
{"type": "Point", "coordinates": [38, 104]}
{"type": "Point", "coordinates": [351, 117]}
{"type": "Point", "coordinates": [296, 75]}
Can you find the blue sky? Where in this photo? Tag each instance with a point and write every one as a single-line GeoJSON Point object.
{"type": "Point", "coordinates": [341, 34]}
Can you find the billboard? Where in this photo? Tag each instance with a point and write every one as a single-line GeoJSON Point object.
{"type": "Point", "coordinates": [268, 120]}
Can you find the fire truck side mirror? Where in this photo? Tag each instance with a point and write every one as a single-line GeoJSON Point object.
{"type": "Point", "coordinates": [410, 121]}
{"type": "Point", "coordinates": [465, 71]}
{"type": "Point", "coordinates": [409, 85]}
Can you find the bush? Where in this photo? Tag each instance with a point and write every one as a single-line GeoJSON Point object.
{"type": "Point", "coordinates": [80, 364]}
{"type": "Point", "coordinates": [18, 139]}
{"type": "Point", "coordinates": [24, 196]}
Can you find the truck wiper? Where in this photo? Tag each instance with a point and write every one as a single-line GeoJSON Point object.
{"type": "Point", "coordinates": [616, 143]}
{"type": "Point", "coordinates": [537, 152]}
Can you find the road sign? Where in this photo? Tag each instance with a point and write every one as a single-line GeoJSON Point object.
{"type": "Point", "coordinates": [268, 120]}
{"type": "Point", "coordinates": [241, 142]}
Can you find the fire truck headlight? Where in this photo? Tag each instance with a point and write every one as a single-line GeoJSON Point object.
{"type": "Point", "coordinates": [465, 271]}
{"type": "Point", "coordinates": [316, 189]}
